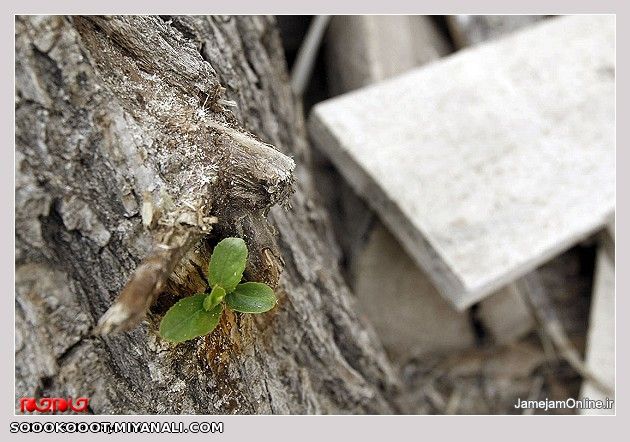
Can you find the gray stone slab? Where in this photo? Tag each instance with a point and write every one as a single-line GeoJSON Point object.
{"type": "Point", "coordinates": [410, 316]}
{"type": "Point", "coordinates": [491, 161]}
{"type": "Point", "coordinates": [505, 316]}
{"type": "Point", "coordinates": [469, 30]}
{"type": "Point", "coordinates": [600, 347]}
{"type": "Point", "coordinates": [363, 49]}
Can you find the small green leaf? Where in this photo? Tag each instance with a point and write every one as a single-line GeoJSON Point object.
{"type": "Point", "coordinates": [251, 297]}
{"type": "Point", "coordinates": [214, 298]}
{"type": "Point", "coordinates": [187, 319]}
{"type": "Point", "coordinates": [227, 263]}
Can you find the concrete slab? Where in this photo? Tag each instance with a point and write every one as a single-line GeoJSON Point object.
{"type": "Point", "coordinates": [410, 316]}
{"type": "Point", "coordinates": [469, 30]}
{"type": "Point", "coordinates": [505, 316]}
{"type": "Point", "coordinates": [364, 49]}
{"type": "Point", "coordinates": [491, 161]}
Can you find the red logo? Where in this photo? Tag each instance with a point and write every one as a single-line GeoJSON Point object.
{"type": "Point", "coordinates": [50, 405]}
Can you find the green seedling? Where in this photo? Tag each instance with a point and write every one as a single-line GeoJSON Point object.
{"type": "Point", "coordinates": [199, 314]}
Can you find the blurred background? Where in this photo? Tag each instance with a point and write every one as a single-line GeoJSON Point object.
{"type": "Point", "coordinates": [546, 332]}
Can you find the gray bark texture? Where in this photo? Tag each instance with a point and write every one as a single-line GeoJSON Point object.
{"type": "Point", "coordinates": [137, 131]}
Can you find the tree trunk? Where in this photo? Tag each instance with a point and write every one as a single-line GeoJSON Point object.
{"type": "Point", "coordinates": [135, 131]}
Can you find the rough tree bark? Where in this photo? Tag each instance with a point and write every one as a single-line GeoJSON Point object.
{"type": "Point", "coordinates": [127, 135]}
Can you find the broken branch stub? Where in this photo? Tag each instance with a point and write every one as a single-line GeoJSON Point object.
{"type": "Point", "coordinates": [256, 174]}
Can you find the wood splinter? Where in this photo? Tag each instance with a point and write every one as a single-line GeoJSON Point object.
{"type": "Point", "coordinates": [148, 280]}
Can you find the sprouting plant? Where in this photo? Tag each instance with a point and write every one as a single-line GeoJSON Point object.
{"type": "Point", "coordinates": [199, 314]}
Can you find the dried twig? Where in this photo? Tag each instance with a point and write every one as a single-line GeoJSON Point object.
{"type": "Point", "coordinates": [435, 397]}
{"type": "Point", "coordinates": [534, 393]}
{"type": "Point", "coordinates": [454, 400]}
{"type": "Point", "coordinates": [307, 54]}
{"type": "Point", "coordinates": [536, 297]}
